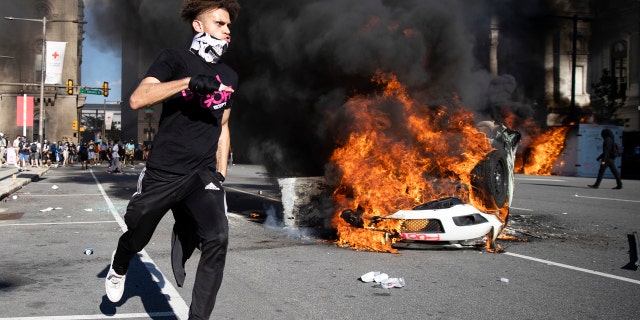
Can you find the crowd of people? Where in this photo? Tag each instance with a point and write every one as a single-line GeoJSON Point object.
{"type": "Point", "coordinates": [24, 154]}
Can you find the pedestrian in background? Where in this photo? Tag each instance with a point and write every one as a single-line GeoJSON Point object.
{"type": "Point", "coordinates": [16, 146]}
{"type": "Point", "coordinates": [35, 149]}
{"type": "Point", "coordinates": [24, 153]}
{"type": "Point", "coordinates": [115, 158]}
{"type": "Point", "coordinates": [607, 159]}
{"type": "Point", "coordinates": [83, 154]}
{"type": "Point", "coordinates": [129, 152]}
{"type": "Point", "coordinates": [46, 148]}
{"type": "Point", "coordinates": [3, 149]}
{"type": "Point", "coordinates": [65, 154]}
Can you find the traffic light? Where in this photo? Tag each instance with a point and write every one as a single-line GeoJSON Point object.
{"type": "Point", "coordinates": [74, 125]}
{"type": "Point", "coordinates": [69, 86]}
{"type": "Point", "coordinates": [105, 89]}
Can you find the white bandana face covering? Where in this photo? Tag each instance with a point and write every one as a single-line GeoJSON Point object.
{"type": "Point", "coordinates": [208, 47]}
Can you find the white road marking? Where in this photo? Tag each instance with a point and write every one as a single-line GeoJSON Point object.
{"type": "Point", "coordinates": [174, 299]}
{"type": "Point", "coordinates": [521, 209]}
{"type": "Point", "coordinates": [97, 316]}
{"type": "Point", "coordinates": [611, 199]}
{"type": "Point", "coordinates": [566, 266]}
{"type": "Point", "coordinates": [253, 194]}
{"type": "Point", "coordinates": [58, 195]}
{"type": "Point", "coordinates": [538, 179]}
{"type": "Point", "coordinates": [55, 223]}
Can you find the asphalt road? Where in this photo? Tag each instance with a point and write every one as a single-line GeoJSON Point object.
{"type": "Point", "coordinates": [571, 265]}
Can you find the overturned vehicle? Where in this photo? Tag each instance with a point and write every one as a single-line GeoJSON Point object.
{"type": "Point", "coordinates": [450, 222]}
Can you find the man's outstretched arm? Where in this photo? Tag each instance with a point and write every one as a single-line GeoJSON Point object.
{"type": "Point", "coordinates": [151, 91]}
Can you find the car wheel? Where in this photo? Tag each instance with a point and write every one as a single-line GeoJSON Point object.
{"type": "Point", "coordinates": [490, 180]}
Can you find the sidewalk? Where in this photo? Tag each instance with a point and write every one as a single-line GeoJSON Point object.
{"type": "Point", "coordinates": [11, 179]}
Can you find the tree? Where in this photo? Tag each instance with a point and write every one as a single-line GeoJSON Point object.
{"type": "Point", "coordinates": [607, 98]}
{"type": "Point", "coordinates": [93, 125]}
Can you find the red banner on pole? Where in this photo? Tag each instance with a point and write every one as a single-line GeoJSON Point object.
{"type": "Point", "coordinates": [24, 111]}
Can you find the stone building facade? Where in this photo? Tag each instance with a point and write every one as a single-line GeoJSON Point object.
{"type": "Point", "coordinates": [615, 46]}
{"type": "Point", "coordinates": [21, 42]}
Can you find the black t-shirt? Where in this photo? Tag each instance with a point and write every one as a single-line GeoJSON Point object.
{"type": "Point", "coordinates": [190, 124]}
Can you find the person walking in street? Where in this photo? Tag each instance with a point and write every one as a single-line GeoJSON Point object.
{"type": "Point", "coordinates": [65, 154]}
{"type": "Point", "coordinates": [91, 148]}
{"type": "Point", "coordinates": [129, 150]}
{"type": "Point", "coordinates": [185, 171]}
{"type": "Point", "coordinates": [83, 154]}
{"type": "Point", "coordinates": [115, 157]}
{"type": "Point", "coordinates": [104, 149]}
{"type": "Point", "coordinates": [607, 159]}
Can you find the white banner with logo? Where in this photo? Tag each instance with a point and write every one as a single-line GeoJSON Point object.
{"type": "Point", "coordinates": [108, 119]}
{"type": "Point", "coordinates": [54, 62]}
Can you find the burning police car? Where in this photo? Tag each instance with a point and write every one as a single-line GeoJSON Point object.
{"type": "Point", "coordinates": [450, 222]}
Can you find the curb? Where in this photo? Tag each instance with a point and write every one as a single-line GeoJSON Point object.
{"type": "Point", "coordinates": [9, 184]}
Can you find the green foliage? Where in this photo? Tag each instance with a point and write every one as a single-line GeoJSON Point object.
{"type": "Point", "coordinates": [607, 98]}
{"type": "Point", "coordinates": [94, 125]}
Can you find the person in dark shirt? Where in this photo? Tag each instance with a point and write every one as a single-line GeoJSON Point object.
{"type": "Point", "coordinates": [607, 160]}
{"type": "Point", "coordinates": [187, 165]}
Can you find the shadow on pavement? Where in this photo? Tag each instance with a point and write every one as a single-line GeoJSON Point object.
{"type": "Point", "coordinates": [141, 282]}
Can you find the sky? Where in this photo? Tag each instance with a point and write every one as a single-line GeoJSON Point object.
{"type": "Point", "coordinates": [99, 65]}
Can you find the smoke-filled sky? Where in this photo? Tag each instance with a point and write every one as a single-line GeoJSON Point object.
{"type": "Point", "coordinates": [300, 60]}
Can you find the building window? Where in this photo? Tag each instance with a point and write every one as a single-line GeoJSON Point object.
{"type": "Point", "coordinates": [619, 66]}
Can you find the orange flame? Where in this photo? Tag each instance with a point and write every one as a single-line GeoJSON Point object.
{"type": "Point", "coordinates": [545, 150]}
{"type": "Point", "coordinates": [400, 154]}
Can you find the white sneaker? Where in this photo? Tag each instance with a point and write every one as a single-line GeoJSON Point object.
{"type": "Point", "coordinates": [114, 283]}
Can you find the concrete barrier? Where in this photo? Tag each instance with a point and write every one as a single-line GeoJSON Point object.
{"type": "Point", "coordinates": [306, 202]}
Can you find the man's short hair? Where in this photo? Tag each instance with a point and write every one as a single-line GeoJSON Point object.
{"type": "Point", "coordinates": [192, 8]}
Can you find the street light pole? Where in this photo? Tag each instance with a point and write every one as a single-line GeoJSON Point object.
{"type": "Point", "coordinates": [42, 75]}
{"type": "Point", "coordinates": [42, 67]}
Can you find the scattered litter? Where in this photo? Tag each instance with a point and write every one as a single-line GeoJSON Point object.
{"type": "Point", "coordinates": [564, 213]}
{"type": "Point", "coordinates": [392, 283]}
{"type": "Point", "coordinates": [14, 197]}
{"type": "Point", "coordinates": [88, 251]}
{"type": "Point", "coordinates": [369, 276]}
{"type": "Point", "coordinates": [505, 280]}
{"type": "Point", "coordinates": [88, 209]}
{"type": "Point", "coordinates": [58, 208]}
{"type": "Point", "coordinates": [47, 209]}
{"type": "Point", "coordinates": [382, 279]}
{"type": "Point", "coordinates": [54, 187]}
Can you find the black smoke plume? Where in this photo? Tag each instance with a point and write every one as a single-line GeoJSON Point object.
{"type": "Point", "coordinates": [300, 60]}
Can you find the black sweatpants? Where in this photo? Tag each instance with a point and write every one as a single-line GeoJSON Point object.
{"type": "Point", "coordinates": [612, 166]}
{"type": "Point", "coordinates": [199, 195]}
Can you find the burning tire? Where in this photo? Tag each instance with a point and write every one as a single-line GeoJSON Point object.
{"type": "Point", "coordinates": [490, 180]}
